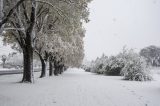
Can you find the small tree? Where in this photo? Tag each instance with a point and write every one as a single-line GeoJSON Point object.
{"type": "Point", "coordinates": [4, 58]}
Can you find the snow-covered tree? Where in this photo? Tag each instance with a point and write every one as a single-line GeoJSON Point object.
{"type": "Point", "coordinates": [65, 36]}
{"type": "Point", "coordinates": [66, 53]}
{"type": "Point", "coordinates": [22, 23]}
{"type": "Point", "coordinates": [135, 67]}
{"type": "Point", "coordinates": [40, 49]}
{"type": "Point", "coordinates": [152, 54]}
{"type": "Point", "coordinates": [34, 16]}
{"type": "Point", "coordinates": [4, 58]}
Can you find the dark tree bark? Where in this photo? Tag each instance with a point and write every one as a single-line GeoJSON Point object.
{"type": "Point", "coordinates": [28, 49]}
{"type": "Point", "coordinates": [27, 65]}
{"type": "Point", "coordinates": [43, 71]}
{"type": "Point", "coordinates": [55, 69]}
{"type": "Point", "coordinates": [61, 68]}
{"type": "Point", "coordinates": [50, 68]}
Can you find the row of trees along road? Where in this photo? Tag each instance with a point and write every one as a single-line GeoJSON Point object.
{"type": "Point", "coordinates": [52, 29]}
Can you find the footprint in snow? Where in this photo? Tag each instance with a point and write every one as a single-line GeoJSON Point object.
{"type": "Point", "coordinates": [146, 104]}
{"type": "Point", "coordinates": [124, 86]}
{"type": "Point", "coordinates": [54, 102]}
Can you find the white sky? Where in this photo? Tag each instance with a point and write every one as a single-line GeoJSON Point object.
{"type": "Point", "coordinates": [115, 23]}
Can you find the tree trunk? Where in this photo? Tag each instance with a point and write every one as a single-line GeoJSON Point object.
{"type": "Point", "coordinates": [28, 65]}
{"type": "Point", "coordinates": [43, 71]}
{"type": "Point", "coordinates": [55, 69]}
{"type": "Point", "coordinates": [28, 46]}
{"type": "Point", "coordinates": [61, 69]}
{"type": "Point", "coordinates": [50, 68]}
{"type": "Point", "coordinates": [3, 64]}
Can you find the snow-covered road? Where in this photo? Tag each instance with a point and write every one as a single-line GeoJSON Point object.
{"type": "Point", "coordinates": [78, 88]}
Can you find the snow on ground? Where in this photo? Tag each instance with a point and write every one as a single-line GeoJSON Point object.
{"type": "Point", "coordinates": [14, 69]}
{"type": "Point", "coordinates": [6, 69]}
{"type": "Point", "coordinates": [78, 88]}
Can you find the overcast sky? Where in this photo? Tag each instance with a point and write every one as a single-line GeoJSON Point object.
{"type": "Point", "coordinates": [115, 23]}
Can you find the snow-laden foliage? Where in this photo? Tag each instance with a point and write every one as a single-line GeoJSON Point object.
{"type": "Point", "coordinates": [152, 54]}
{"type": "Point", "coordinates": [86, 68]}
{"type": "Point", "coordinates": [51, 28]}
{"type": "Point", "coordinates": [114, 65]}
{"type": "Point", "coordinates": [108, 66]}
{"type": "Point", "coordinates": [135, 67]}
{"type": "Point", "coordinates": [127, 63]}
{"type": "Point", "coordinates": [97, 65]}
{"type": "Point", "coordinates": [86, 65]}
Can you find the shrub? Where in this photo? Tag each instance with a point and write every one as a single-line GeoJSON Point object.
{"type": "Point", "coordinates": [86, 68]}
{"type": "Point", "coordinates": [114, 66]}
{"type": "Point", "coordinates": [127, 63]}
{"type": "Point", "coordinates": [135, 68]}
{"type": "Point", "coordinates": [98, 64]}
{"type": "Point", "coordinates": [99, 69]}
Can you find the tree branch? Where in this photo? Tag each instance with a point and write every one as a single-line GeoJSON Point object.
{"type": "Point", "coordinates": [10, 13]}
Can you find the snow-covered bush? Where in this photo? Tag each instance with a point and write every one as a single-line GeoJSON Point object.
{"type": "Point", "coordinates": [135, 67]}
{"type": "Point", "coordinates": [86, 68]}
{"type": "Point", "coordinates": [95, 66]}
{"type": "Point", "coordinates": [98, 64]}
{"type": "Point", "coordinates": [113, 66]}
{"type": "Point", "coordinates": [86, 65]}
{"type": "Point", "coordinates": [127, 63]}
{"type": "Point", "coordinates": [99, 69]}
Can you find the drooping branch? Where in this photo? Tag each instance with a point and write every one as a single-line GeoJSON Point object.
{"type": "Point", "coordinates": [68, 1]}
{"type": "Point", "coordinates": [58, 10]}
{"type": "Point", "coordinates": [25, 13]}
{"type": "Point", "coordinates": [5, 19]}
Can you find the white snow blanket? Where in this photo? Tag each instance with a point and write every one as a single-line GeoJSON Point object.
{"type": "Point", "coordinates": [78, 88]}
